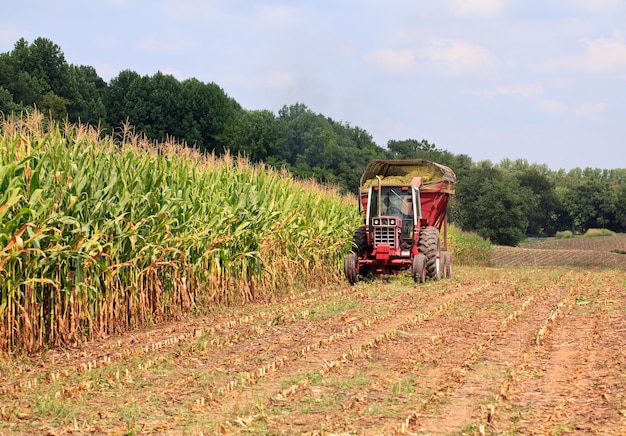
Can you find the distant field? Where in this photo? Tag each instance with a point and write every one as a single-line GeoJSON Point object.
{"type": "Point", "coordinates": [588, 252]}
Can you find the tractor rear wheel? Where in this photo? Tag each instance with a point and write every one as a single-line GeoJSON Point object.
{"type": "Point", "coordinates": [429, 245]}
{"type": "Point", "coordinates": [350, 269]}
{"type": "Point", "coordinates": [359, 241]}
{"type": "Point", "coordinates": [419, 268]}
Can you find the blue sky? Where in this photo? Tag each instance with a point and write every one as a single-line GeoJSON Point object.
{"type": "Point", "coordinates": [541, 80]}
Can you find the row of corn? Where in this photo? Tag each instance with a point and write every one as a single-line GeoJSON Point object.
{"type": "Point", "coordinates": [101, 235]}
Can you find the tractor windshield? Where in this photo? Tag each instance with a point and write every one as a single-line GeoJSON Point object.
{"type": "Point", "coordinates": [394, 201]}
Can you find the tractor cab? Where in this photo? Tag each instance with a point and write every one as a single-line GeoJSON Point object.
{"type": "Point", "coordinates": [393, 211]}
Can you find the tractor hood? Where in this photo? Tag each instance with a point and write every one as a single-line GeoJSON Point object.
{"type": "Point", "coordinates": [401, 172]}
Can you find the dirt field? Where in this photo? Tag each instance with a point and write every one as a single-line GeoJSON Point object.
{"type": "Point", "coordinates": [580, 252]}
{"type": "Point", "coordinates": [492, 351]}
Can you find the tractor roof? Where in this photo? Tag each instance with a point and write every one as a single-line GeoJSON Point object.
{"type": "Point", "coordinates": [402, 172]}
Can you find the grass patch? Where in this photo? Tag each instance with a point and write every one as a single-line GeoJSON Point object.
{"type": "Point", "coordinates": [404, 386]}
{"type": "Point", "coordinates": [468, 249]}
{"type": "Point", "coordinates": [598, 232]}
{"type": "Point", "coordinates": [565, 234]}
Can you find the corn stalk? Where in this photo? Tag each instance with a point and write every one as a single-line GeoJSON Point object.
{"type": "Point", "coordinates": [99, 236]}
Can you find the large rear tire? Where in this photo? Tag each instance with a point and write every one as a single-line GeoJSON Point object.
{"type": "Point", "coordinates": [350, 268]}
{"type": "Point", "coordinates": [429, 245]}
{"type": "Point", "coordinates": [419, 268]}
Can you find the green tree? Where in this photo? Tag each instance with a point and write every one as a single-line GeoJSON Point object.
{"type": "Point", "coordinates": [259, 136]}
{"type": "Point", "coordinates": [153, 106]}
{"type": "Point", "coordinates": [7, 105]}
{"type": "Point", "coordinates": [54, 104]}
{"type": "Point", "coordinates": [331, 152]}
{"type": "Point", "coordinates": [491, 203]}
{"type": "Point", "coordinates": [590, 199]}
{"type": "Point", "coordinates": [87, 91]}
{"type": "Point", "coordinates": [543, 205]}
{"type": "Point", "coordinates": [116, 97]}
{"type": "Point", "coordinates": [410, 149]}
{"type": "Point", "coordinates": [207, 115]}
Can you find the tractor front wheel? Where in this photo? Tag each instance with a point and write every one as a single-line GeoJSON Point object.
{"type": "Point", "coordinates": [350, 269]}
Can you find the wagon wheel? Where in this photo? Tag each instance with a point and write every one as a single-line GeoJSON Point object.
{"type": "Point", "coordinates": [429, 245]}
{"type": "Point", "coordinates": [350, 269]}
{"type": "Point", "coordinates": [447, 264]}
{"type": "Point", "coordinates": [419, 268]}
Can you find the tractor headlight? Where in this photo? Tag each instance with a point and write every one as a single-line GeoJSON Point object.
{"type": "Point", "coordinates": [392, 222]}
{"type": "Point", "coordinates": [376, 222]}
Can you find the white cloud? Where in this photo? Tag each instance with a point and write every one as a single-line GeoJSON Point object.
{"type": "Point", "coordinates": [602, 55]}
{"type": "Point", "coordinates": [596, 6]}
{"type": "Point", "coordinates": [448, 57]}
{"type": "Point", "coordinates": [277, 16]}
{"type": "Point", "coordinates": [590, 109]}
{"type": "Point", "coordinates": [265, 16]}
{"type": "Point", "coordinates": [393, 61]}
{"type": "Point", "coordinates": [276, 79]}
{"type": "Point", "coordinates": [154, 45]}
{"type": "Point", "coordinates": [523, 90]}
{"type": "Point", "coordinates": [553, 107]}
{"type": "Point", "coordinates": [458, 57]}
{"type": "Point", "coordinates": [191, 10]}
{"type": "Point", "coordinates": [477, 8]}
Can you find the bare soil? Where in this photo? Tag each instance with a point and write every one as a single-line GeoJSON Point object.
{"type": "Point", "coordinates": [492, 351]}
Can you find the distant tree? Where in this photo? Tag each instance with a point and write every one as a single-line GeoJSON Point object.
{"type": "Point", "coordinates": [87, 91]}
{"type": "Point", "coordinates": [299, 120]}
{"type": "Point", "coordinates": [620, 207]}
{"type": "Point", "coordinates": [116, 97]}
{"type": "Point", "coordinates": [55, 105]}
{"type": "Point", "coordinates": [332, 152]}
{"type": "Point", "coordinates": [7, 105]}
{"type": "Point", "coordinates": [543, 205]}
{"type": "Point", "coordinates": [590, 199]}
{"type": "Point", "coordinates": [207, 114]}
{"type": "Point", "coordinates": [414, 149]}
{"type": "Point", "coordinates": [153, 105]}
{"type": "Point", "coordinates": [259, 136]}
{"type": "Point", "coordinates": [491, 203]}
{"type": "Point", "coordinates": [38, 75]}
{"type": "Point", "coordinates": [543, 215]}
{"type": "Point", "coordinates": [410, 149]}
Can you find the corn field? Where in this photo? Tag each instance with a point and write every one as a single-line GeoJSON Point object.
{"type": "Point", "coordinates": [103, 235]}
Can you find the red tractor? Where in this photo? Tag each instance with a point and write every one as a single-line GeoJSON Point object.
{"type": "Point", "coordinates": [405, 206]}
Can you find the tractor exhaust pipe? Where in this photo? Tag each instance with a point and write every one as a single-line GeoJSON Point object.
{"type": "Point", "coordinates": [380, 194]}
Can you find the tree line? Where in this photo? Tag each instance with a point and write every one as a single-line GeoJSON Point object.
{"type": "Point", "coordinates": [503, 202]}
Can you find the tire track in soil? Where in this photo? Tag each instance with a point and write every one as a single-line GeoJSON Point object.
{"type": "Point", "coordinates": [453, 355]}
{"type": "Point", "coordinates": [438, 335]}
{"type": "Point", "coordinates": [574, 381]}
{"type": "Point", "coordinates": [329, 352]}
{"type": "Point", "coordinates": [471, 400]}
{"type": "Point", "coordinates": [465, 339]}
{"type": "Point", "coordinates": [220, 329]}
{"type": "Point", "coordinates": [189, 361]}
